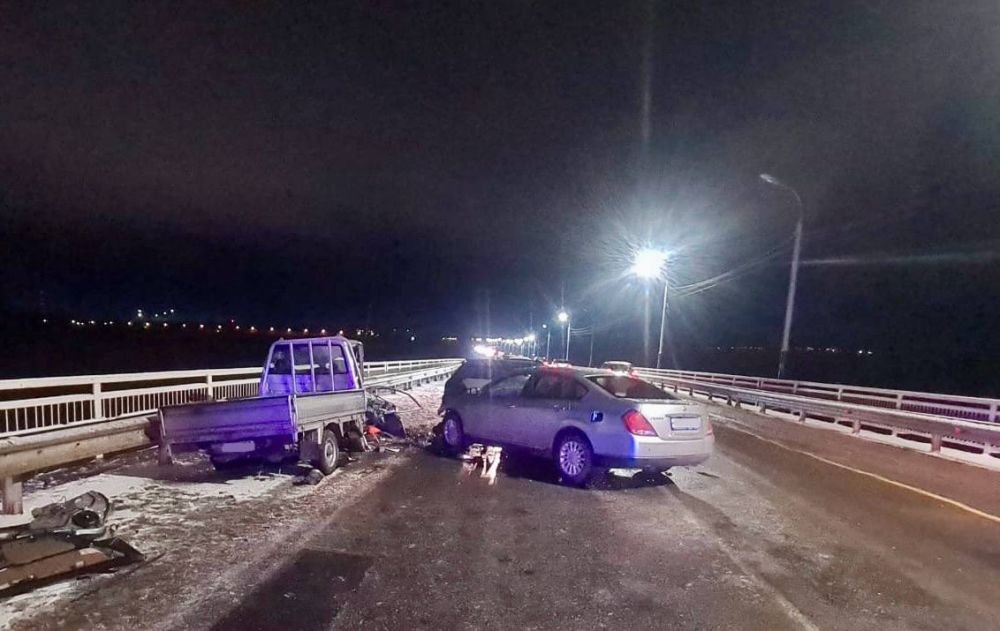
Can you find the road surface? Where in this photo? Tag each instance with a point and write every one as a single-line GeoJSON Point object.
{"type": "Point", "coordinates": [763, 536]}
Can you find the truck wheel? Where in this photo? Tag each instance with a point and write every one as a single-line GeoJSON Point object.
{"type": "Point", "coordinates": [329, 453]}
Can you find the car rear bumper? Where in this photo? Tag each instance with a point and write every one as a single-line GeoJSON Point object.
{"type": "Point", "coordinates": [660, 454]}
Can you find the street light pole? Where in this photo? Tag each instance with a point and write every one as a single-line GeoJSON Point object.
{"type": "Point", "coordinates": [663, 321]}
{"type": "Point", "coordinates": [793, 276]}
{"type": "Point", "coordinates": [651, 264]}
{"type": "Point", "coordinates": [548, 339]}
{"type": "Point", "coordinates": [563, 317]}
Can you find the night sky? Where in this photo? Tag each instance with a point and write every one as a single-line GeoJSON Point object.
{"type": "Point", "coordinates": [390, 162]}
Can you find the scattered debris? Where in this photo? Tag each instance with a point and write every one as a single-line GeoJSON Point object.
{"type": "Point", "coordinates": [314, 477]}
{"type": "Point", "coordinates": [487, 456]}
{"type": "Point", "coordinates": [63, 539]}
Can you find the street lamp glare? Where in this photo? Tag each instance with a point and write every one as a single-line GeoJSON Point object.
{"type": "Point", "coordinates": [530, 338]}
{"type": "Point", "coordinates": [649, 263]}
{"type": "Point", "coordinates": [562, 316]}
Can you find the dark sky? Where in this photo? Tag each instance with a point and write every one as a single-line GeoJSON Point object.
{"type": "Point", "coordinates": [291, 161]}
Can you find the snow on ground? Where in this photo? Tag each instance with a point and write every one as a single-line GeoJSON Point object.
{"type": "Point", "coordinates": [161, 509]}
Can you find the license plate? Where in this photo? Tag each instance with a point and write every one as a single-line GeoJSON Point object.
{"type": "Point", "coordinates": [235, 448]}
{"type": "Point", "coordinates": [685, 423]}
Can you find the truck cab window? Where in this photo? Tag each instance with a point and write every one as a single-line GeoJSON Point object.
{"type": "Point", "coordinates": [303, 368]}
{"type": "Point", "coordinates": [323, 366]}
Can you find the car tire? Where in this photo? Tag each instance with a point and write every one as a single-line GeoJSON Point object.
{"type": "Point", "coordinates": [574, 459]}
{"type": "Point", "coordinates": [452, 434]}
{"type": "Point", "coordinates": [329, 453]}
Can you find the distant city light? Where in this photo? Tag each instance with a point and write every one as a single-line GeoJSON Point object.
{"type": "Point", "coordinates": [322, 331]}
{"type": "Point", "coordinates": [530, 338]}
{"type": "Point", "coordinates": [562, 316]}
{"type": "Point", "coordinates": [413, 338]}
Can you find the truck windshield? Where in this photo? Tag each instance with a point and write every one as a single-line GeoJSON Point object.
{"type": "Point", "coordinates": [624, 387]}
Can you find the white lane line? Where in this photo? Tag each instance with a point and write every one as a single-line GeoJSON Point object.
{"type": "Point", "coordinates": [941, 498]}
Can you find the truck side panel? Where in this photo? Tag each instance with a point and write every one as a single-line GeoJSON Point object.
{"type": "Point", "coordinates": [320, 408]}
{"type": "Point", "coordinates": [229, 421]}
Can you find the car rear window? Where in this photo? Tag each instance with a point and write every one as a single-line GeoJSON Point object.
{"type": "Point", "coordinates": [624, 387]}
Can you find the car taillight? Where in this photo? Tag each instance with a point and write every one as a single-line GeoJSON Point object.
{"type": "Point", "coordinates": [637, 424]}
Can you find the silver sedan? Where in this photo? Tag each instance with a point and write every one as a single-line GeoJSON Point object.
{"type": "Point", "coordinates": [582, 418]}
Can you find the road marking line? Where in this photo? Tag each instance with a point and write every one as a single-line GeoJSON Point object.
{"type": "Point", "coordinates": [941, 498]}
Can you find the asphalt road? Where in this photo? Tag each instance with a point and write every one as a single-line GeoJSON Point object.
{"type": "Point", "coordinates": [759, 538]}
{"type": "Point", "coordinates": [763, 536]}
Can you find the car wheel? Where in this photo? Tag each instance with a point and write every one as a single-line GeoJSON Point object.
{"type": "Point", "coordinates": [329, 453]}
{"type": "Point", "coordinates": [452, 434]}
{"type": "Point", "coordinates": [574, 459]}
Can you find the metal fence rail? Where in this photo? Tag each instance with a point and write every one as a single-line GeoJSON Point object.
{"type": "Point", "coordinates": [29, 406]}
{"type": "Point", "coordinates": [941, 418]}
{"type": "Point", "coordinates": [947, 405]}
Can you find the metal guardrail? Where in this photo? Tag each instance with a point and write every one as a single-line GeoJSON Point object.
{"type": "Point", "coordinates": [940, 417]}
{"type": "Point", "coordinates": [29, 406]}
{"type": "Point", "coordinates": [24, 454]}
{"type": "Point", "coordinates": [948, 405]}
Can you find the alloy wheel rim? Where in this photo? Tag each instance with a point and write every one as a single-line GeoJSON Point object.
{"type": "Point", "coordinates": [572, 457]}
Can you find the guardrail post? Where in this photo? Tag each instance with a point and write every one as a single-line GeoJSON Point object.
{"type": "Point", "coordinates": [993, 413]}
{"type": "Point", "coordinates": [210, 387]}
{"type": "Point", "coordinates": [935, 443]}
{"type": "Point", "coordinates": [12, 503]}
{"type": "Point", "coordinates": [98, 402]}
{"type": "Point", "coordinates": [899, 401]}
{"type": "Point", "coordinates": [855, 426]}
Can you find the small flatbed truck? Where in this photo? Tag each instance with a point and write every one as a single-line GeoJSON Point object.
{"type": "Point", "coordinates": [312, 402]}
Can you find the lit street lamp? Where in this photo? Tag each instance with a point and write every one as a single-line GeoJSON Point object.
{"type": "Point", "coordinates": [651, 264]}
{"type": "Point", "coordinates": [793, 277]}
{"type": "Point", "coordinates": [563, 317]}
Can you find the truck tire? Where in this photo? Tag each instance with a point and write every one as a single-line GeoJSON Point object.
{"type": "Point", "coordinates": [329, 453]}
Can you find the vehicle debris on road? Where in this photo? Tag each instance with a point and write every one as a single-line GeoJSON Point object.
{"type": "Point", "coordinates": [487, 456]}
{"type": "Point", "coordinates": [63, 539]}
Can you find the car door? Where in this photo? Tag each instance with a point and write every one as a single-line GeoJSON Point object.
{"type": "Point", "coordinates": [548, 400]}
{"type": "Point", "coordinates": [492, 411]}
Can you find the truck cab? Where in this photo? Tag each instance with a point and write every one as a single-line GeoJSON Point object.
{"type": "Point", "coordinates": [312, 366]}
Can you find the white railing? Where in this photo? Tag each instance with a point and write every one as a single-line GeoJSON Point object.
{"type": "Point", "coordinates": [940, 418]}
{"type": "Point", "coordinates": [948, 405]}
{"type": "Point", "coordinates": [34, 405]}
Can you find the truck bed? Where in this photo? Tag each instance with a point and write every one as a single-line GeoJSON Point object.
{"type": "Point", "coordinates": [228, 421]}
{"type": "Point", "coordinates": [279, 417]}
